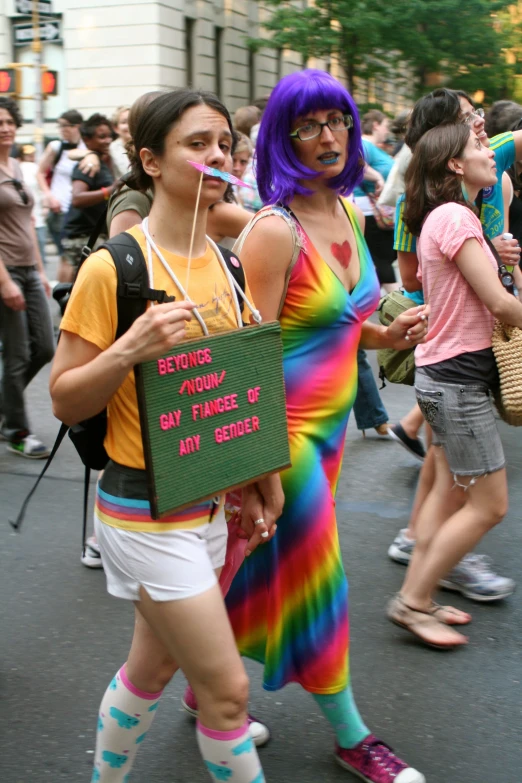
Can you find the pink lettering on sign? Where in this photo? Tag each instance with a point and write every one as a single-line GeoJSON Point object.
{"type": "Point", "coordinates": [236, 430]}
{"type": "Point", "coordinates": [253, 394]}
{"type": "Point", "coordinates": [189, 445]}
{"type": "Point", "coordinates": [170, 420]}
{"type": "Point", "coordinates": [202, 410]}
{"type": "Point", "coordinates": [184, 361]}
{"type": "Point", "coordinates": [202, 383]}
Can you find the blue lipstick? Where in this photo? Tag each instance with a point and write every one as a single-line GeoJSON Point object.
{"type": "Point", "coordinates": [329, 161]}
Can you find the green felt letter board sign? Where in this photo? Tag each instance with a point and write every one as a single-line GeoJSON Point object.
{"type": "Point", "coordinates": [213, 415]}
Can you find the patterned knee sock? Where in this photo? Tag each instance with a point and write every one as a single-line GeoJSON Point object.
{"type": "Point", "coordinates": [126, 714]}
{"type": "Point", "coordinates": [340, 710]}
{"type": "Point", "coordinates": [230, 754]}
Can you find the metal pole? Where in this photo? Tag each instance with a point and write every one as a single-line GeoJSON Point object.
{"type": "Point", "coordinates": [38, 97]}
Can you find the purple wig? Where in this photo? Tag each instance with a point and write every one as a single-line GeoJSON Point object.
{"type": "Point", "coordinates": [278, 169]}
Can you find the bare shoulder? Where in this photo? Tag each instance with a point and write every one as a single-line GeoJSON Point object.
{"type": "Point", "coordinates": [273, 236]}
{"type": "Point", "coordinates": [267, 255]}
{"type": "Point", "coordinates": [268, 249]}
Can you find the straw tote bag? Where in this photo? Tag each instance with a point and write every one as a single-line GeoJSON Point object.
{"type": "Point", "coordinates": [507, 347]}
{"type": "Point", "coordinates": [506, 342]}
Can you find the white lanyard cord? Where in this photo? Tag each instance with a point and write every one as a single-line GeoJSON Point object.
{"type": "Point", "coordinates": [151, 245]}
{"type": "Point", "coordinates": [234, 286]}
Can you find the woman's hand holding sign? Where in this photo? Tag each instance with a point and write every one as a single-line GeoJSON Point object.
{"type": "Point", "coordinates": [156, 331]}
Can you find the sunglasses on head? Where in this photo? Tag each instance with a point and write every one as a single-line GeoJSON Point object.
{"type": "Point", "coordinates": [19, 187]}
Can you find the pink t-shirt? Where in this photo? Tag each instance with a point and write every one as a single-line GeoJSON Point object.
{"type": "Point", "coordinates": [459, 322]}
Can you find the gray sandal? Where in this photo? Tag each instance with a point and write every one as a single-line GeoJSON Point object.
{"type": "Point", "coordinates": [413, 620]}
{"type": "Point", "coordinates": [435, 607]}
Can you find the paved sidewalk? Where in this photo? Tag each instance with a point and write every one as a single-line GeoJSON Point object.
{"type": "Point", "coordinates": [456, 716]}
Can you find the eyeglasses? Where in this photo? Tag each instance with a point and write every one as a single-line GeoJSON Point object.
{"type": "Point", "coordinates": [19, 187]}
{"type": "Point", "coordinates": [469, 119]}
{"type": "Point", "coordinates": [62, 125]}
{"type": "Point", "coordinates": [313, 128]}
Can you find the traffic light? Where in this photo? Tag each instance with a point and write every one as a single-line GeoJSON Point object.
{"type": "Point", "coordinates": [49, 83]}
{"type": "Point", "coordinates": [10, 81]}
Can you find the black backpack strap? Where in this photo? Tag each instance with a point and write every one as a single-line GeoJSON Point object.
{"type": "Point", "coordinates": [58, 155]}
{"type": "Point", "coordinates": [86, 482]}
{"type": "Point", "coordinates": [20, 518]}
{"type": "Point", "coordinates": [95, 233]}
{"type": "Point", "coordinates": [234, 266]}
{"type": "Point", "coordinates": [133, 290]}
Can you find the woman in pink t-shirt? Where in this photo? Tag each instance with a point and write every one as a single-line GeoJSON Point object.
{"type": "Point", "coordinates": [456, 371]}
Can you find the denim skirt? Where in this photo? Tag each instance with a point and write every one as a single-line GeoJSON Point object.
{"type": "Point", "coordinates": [462, 417]}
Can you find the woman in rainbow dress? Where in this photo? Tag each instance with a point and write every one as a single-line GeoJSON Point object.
{"type": "Point", "coordinates": [309, 266]}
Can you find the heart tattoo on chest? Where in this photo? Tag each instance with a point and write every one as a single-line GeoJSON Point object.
{"type": "Point", "coordinates": [343, 253]}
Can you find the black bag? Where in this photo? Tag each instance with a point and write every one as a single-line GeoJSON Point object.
{"type": "Point", "coordinates": [132, 294]}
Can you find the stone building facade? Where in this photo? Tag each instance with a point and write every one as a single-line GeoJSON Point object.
{"type": "Point", "coordinates": [111, 51]}
{"type": "Point", "coordinates": [108, 52]}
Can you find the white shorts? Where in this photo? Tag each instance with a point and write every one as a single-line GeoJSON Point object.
{"type": "Point", "coordinates": [171, 565]}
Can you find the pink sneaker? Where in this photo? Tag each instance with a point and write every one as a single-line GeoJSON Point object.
{"type": "Point", "coordinates": [374, 762]}
{"type": "Point", "coordinates": [258, 731]}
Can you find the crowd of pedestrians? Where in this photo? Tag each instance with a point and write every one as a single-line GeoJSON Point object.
{"type": "Point", "coordinates": [341, 211]}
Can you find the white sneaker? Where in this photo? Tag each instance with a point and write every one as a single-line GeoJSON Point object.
{"type": "Point", "coordinates": [259, 732]}
{"type": "Point", "coordinates": [29, 447]}
{"type": "Point", "coordinates": [92, 556]}
{"type": "Point", "coordinates": [475, 579]}
{"type": "Point", "coordinates": [402, 548]}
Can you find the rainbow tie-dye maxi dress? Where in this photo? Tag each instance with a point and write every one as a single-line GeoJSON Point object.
{"type": "Point", "coordinates": [288, 603]}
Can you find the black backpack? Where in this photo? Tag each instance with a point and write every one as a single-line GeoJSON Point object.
{"type": "Point", "coordinates": [133, 293]}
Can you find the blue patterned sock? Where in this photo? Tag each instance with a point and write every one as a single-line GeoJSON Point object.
{"type": "Point", "coordinates": [340, 710]}
{"type": "Point", "coordinates": [125, 716]}
{"type": "Point", "coordinates": [230, 754]}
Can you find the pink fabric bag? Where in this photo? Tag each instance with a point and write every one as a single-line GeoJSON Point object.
{"type": "Point", "coordinates": [236, 545]}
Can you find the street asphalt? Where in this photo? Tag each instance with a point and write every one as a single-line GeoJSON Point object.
{"type": "Point", "coordinates": [456, 716]}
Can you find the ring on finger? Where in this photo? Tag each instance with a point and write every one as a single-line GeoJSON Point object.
{"type": "Point", "coordinates": [259, 522]}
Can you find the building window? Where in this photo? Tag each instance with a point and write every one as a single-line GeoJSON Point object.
{"type": "Point", "coordinates": [189, 51]}
{"type": "Point", "coordinates": [218, 60]}
{"type": "Point", "coordinates": [280, 56]}
{"type": "Point", "coordinates": [251, 76]}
